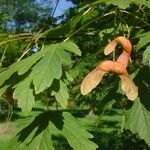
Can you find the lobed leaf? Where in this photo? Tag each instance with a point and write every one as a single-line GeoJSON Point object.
{"type": "Point", "coordinates": [144, 40]}
{"type": "Point", "coordinates": [126, 4]}
{"type": "Point", "coordinates": [70, 46]}
{"type": "Point", "coordinates": [48, 67]}
{"type": "Point", "coordinates": [120, 4]}
{"type": "Point", "coordinates": [3, 89]}
{"type": "Point", "coordinates": [137, 120]}
{"type": "Point", "coordinates": [146, 54]}
{"type": "Point", "coordinates": [43, 73]}
{"type": "Point", "coordinates": [62, 95]}
{"type": "Point", "coordinates": [43, 141]}
{"type": "Point", "coordinates": [37, 135]}
{"type": "Point", "coordinates": [24, 94]}
{"type": "Point", "coordinates": [76, 135]}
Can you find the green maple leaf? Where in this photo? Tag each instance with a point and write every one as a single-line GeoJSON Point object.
{"type": "Point", "coordinates": [62, 94]}
{"type": "Point", "coordinates": [42, 141]}
{"type": "Point", "coordinates": [76, 135]}
{"type": "Point", "coordinates": [24, 94]}
{"type": "Point", "coordinates": [144, 40]}
{"type": "Point", "coordinates": [37, 135]}
{"type": "Point", "coordinates": [3, 89]}
{"type": "Point", "coordinates": [146, 54]}
{"type": "Point", "coordinates": [120, 4]}
{"type": "Point", "coordinates": [49, 68]}
{"type": "Point", "coordinates": [44, 66]}
{"type": "Point", "coordinates": [70, 47]}
{"type": "Point", "coordinates": [138, 120]}
{"type": "Point", "coordinates": [126, 3]}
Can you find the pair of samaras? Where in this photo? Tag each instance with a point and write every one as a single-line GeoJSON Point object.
{"type": "Point", "coordinates": [119, 67]}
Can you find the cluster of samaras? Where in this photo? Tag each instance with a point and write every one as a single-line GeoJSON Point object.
{"type": "Point", "coordinates": [119, 67]}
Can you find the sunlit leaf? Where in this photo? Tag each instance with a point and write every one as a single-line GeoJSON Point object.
{"type": "Point", "coordinates": [62, 94]}
{"type": "Point", "coordinates": [24, 94]}
{"type": "Point", "coordinates": [146, 54]}
{"type": "Point", "coordinates": [46, 70]}
{"type": "Point", "coordinates": [70, 46]}
{"type": "Point", "coordinates": [3, 89]}
{"type": "Point", "coordinates": [120, 4]}
{"type": "Point", "coordinates": [44, 66]}
{"type": "Point", "coordinates": [144, 39]}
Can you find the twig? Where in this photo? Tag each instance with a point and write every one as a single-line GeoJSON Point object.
{"type": "Point", "coordinates": [123, 120]}
{"type": "Point", "coordinates": [87, 11]}
{"type": "Point", "coordinates": [110, 13]}
{"type": "Point", "coordinates": [136, 17]}
{"type": "Point", "coordinates": [21, 34]}
{"type": "Point", "coordinates": [3, 55]}
{"type": "Point", "coordinates": [25, 51]}
{"type": "Point", "coordinates": [35, 39]}
{"type": "Point", "coordinates": [55, 8]}
{"type": "Point", "coordinates": [115, 28]}
{"type": "Point", "coordinates": [10, 40]}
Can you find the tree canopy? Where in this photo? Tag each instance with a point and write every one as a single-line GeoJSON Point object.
{"type": "Point", "coordinates": [42, 58]}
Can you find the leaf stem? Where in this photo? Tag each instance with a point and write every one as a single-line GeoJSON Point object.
{"type": "Point", "coordinates": [115, 28]}
{"type": "Point", "coordinates": [123, 120]}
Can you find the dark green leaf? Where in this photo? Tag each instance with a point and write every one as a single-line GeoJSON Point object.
{"type": "Point", "coordinates": [49, 123]}
{"type": "Point", "coordinates": [144, 39]}
{"type": "Point", "coordinates": [76, 135]}
{"type": "Point", "coordinates": [138, 120]}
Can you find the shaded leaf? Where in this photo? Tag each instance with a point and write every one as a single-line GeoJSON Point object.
{"type": "Point", "coordinates": [75, 23]}
{"type": "Point", "coordinates": [138, 120]}
{"type": "Point", "coordinates": [22, 66]}
{"type": "Point", "coordinates": [143, 83]}
{"type": "Point", "coordinates": [49, 123]}
{"type": "Point", "coordinates": [62, 94]}
{"type": "Point", "coordinates": [76, 135]}
{"type": "Point", "coordinates": [142, 2]}
{"type": "Point", "coordinates": [49, 67]}
{"type": "Point", "coordinates": [42, 141]}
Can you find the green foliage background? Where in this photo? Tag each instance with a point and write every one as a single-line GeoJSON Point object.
{"type": "Point", "coordinates": [48, 64]}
